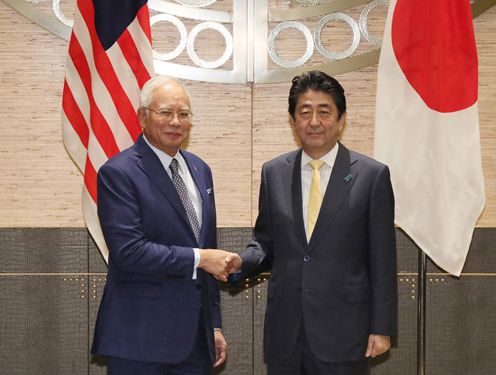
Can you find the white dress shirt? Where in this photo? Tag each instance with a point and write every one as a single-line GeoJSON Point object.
{"type": "Point", "coordinates": [306, 178]}
{"type": "Point", "coordinates": [185, 174]}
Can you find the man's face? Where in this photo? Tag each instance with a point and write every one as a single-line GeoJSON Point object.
{"type": "Point", "coordinates": [167, 134]}
{"type": "Point", "coordinates": [316, 122]}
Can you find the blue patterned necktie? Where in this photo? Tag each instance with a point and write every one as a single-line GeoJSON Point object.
{"type": "Point", "coordinates": [185, 198]}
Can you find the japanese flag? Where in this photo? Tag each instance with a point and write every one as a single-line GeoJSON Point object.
{"type": "Point", "coordinates": [427, 125]}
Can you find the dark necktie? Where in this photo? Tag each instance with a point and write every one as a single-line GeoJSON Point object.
{"type": "Point", "coordinates": [185, 198]}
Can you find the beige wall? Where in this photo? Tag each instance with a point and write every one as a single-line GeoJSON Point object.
{"type": "Point", "coordinates": [237, 128]}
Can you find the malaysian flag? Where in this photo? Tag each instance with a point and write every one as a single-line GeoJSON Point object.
{"type": "Point", "coordinates": [109, 60]}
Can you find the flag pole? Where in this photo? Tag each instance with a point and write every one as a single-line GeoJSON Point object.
{"type": "Point", "coordinates": [422, 281]}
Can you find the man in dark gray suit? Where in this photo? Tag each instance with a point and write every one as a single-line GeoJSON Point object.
{"type": "Point", "coordinates": [325, 231]}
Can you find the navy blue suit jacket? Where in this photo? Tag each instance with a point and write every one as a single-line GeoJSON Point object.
{"type": "Point", "coordinates": [342, 284]}
{"type": "Point", "coordinates": [150, 309]}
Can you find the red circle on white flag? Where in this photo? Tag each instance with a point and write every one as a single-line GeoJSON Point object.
{"type": "Point", "coordinates": [434, 44]}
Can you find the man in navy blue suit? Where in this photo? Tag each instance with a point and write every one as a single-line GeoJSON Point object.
{"type": "Point", "coordinates": [325, 231]}
{"type": "Point", "coordinates": [160, 310]}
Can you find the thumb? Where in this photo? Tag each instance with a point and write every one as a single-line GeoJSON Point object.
{"type": "Point", "coordinates": [370, 347]}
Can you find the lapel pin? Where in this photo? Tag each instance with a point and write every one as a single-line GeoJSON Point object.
{"type": "Point", "coordinates": [348, 178]}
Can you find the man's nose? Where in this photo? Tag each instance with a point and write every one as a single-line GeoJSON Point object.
{"type": "Point", "coordinates": [175, 119]}
{"type": "Point", "coordinates": [314, 120]}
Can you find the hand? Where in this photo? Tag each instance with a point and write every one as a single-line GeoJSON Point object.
{"type": "Point", "coordinates": [234, 262]}
{"type": "Point", "coordinates": [220, 348]}
{"type": "Point", "coordinates": [378, 344]}
{"type": "Point", "coordinates": [214, 262]}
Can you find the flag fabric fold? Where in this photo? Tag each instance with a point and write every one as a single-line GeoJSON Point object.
{"type": "Point", "coordinates": [109, 60]}
{"type": "Point", "coordinates": [427, 125]}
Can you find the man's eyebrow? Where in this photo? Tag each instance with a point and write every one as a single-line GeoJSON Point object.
{"type": "Point", "coordinates": [326, 105]}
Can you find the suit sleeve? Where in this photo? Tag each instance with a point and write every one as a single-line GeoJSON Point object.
{"type": "Point", "coordinates": [215, 298]}
{"type": "Point", "coordinates": [214, 284]}
{"type": "Point", "coordinates": [382, 257]}
{"type": "Point", "coordinates": [120, 218]}
{"type": "Point", "coordinates": [257, 257]}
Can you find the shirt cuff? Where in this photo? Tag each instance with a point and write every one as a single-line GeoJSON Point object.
{"type": "Point", "coordinates": [197, 262]}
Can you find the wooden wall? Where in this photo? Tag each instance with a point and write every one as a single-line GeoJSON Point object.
{"type": "Point", "coordinates": [237, 128]}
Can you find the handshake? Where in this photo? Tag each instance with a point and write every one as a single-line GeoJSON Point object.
{"type": "Point", "coordinates": [219, 263]}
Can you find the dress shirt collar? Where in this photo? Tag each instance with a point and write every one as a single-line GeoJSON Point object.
{"type": "Point", "coordinates": [329, 159]}
{"type": "Point", "coordinates": [166, 159]}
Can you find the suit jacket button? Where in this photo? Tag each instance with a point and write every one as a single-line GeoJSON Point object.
{"type": "Point", "coordinates": [306, 258]}
{"type": "Point", "coordinates": [198, 286]}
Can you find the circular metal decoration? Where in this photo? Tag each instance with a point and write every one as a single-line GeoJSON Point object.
{"type": "Point", "coordinates": [306, 3]}
{"type": "Point", "coordinates": [272, 40]}
{"type": "Point", "coordinates": [354, 44]}
{"type": "Point", "coordinates": [362, 22]}
{"type": "Point", "coordinates": [195, 3]}
{"type": "Point", "coordinates": [182, 33]}
{"type": "Point", "coordinates": [190, 45]}
{"type": "Point", "coordinates": [60, 15]}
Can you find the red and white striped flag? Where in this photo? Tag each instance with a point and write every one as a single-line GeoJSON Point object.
{"type": "Point", "coordinates": [427, 125]}
{"type": "Point", "coordinates": [109, 60]}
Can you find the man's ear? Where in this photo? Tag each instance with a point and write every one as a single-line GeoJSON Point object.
{"type": "Point", "coordinates": [342, 123]}
{"type": "Point", "coordinates": [291, 120]}
{"type": "Point", "coordinates": [141, 116]}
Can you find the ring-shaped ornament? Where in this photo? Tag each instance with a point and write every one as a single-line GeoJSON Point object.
{"type": "Point", "coordinates": [354, 44]}
{"type": "Point", "coordinates": [272, 41]}
{"type": "Point", "coordinates": [195, 3]}
{"type": "Point", "coordinates": [58, 13]}
{"type": "Point", "coordinates": [190, 45]}
{"type": "Point", "coordinates": [183, 33]}
{"type": "Point", "coordinates": [362, 22]}
{"type": "Point", "coordinates": [306, 3]}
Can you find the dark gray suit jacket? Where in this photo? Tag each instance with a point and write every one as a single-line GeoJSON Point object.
{"type": "Point", "coordinates": [342, 284]}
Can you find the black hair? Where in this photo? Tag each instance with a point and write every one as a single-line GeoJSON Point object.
{"type": "Point", "coordinates": [316, 80]}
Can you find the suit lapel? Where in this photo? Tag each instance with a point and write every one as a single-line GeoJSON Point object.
{"type": "Point", "coordinates": [293, 179]}
{"type": "Point", "coordinates": [150, 164]}
{"type": "Point", "coordinates": [339, 185]}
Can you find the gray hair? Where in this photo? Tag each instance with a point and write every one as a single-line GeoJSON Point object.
{"type": "Point", "coordinates": [154, 83]}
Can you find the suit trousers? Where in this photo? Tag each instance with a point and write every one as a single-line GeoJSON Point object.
{"type": "Point", "coordinates": [303, 362]}
{"type": "Point", "coordinates": [198, 362]}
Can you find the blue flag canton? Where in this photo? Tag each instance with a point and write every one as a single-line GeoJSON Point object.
{"type": "Point", "coordinates": [112, 17]}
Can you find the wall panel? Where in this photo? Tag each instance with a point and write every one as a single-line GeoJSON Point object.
{"type": "Point", "coordinates": [461, 330]}
{"type": "Point", "coordinates": [40, 186]}
{"type": "Point", "coordinates": [237, 127]}
{"type": "Point", "coordinates": [44, 301]}
{"type": "Point", "coordinates": [48, 317]}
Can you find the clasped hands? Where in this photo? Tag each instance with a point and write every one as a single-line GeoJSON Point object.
{"type": "Point", "coordinates": [219, 263]}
